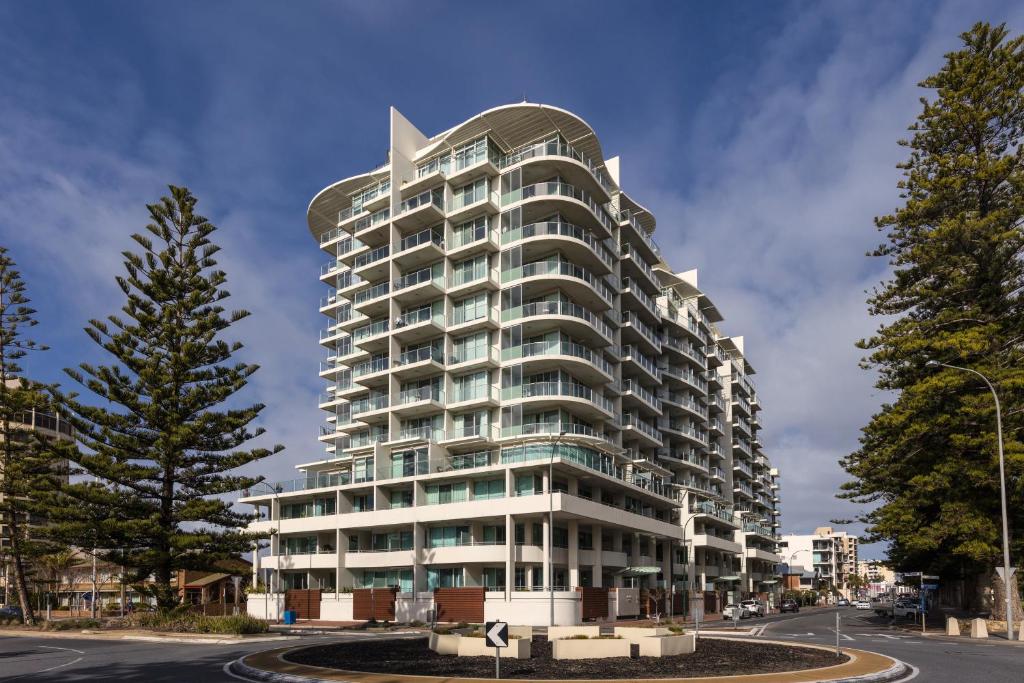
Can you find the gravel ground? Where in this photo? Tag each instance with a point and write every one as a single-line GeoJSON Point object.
{"type": "Point", "coordinates": [713, 657]}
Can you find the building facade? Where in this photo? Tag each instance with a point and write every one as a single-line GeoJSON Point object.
{"type": "Point", "coordinates": [831, 554]}
{"type": "Point", "coordinates": [506, 344]}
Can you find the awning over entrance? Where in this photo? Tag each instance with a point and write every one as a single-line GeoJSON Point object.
{"type": "Point", "coordinates": [727, 578]}
{"type": "Point", "coordinates": [631, 572]}
{"type": "Point", "coordinates": [769, 582]}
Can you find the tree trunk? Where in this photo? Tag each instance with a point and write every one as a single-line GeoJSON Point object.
{"type": "Point", "coordinates": [19, 574]}
{"type": "Point", "coordinates": [998, 598]}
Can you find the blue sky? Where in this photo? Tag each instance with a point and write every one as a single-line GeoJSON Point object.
{"type": "Point", "coordinates": [762, 135]}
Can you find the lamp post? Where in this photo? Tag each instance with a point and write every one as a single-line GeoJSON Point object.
{"type": "Point", "coordinates": [551, 528]}
{"type": "Point", "coordinates": [1002, 490]}
{"type": "Point", "coordinates": [689, 555]}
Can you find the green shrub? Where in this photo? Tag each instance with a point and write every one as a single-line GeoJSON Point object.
{"type": "Point", "coordinates": [578, 636]}
{"type": "Point", "coordinates": [443, 631]}
{"type": "Point", "coordinates": [416, 623]}
{"type": "Point", "coordinates": [184, 621]}
{"type": "Point", "coordinates": [677, 629]}
{"type": "Point", "coordinates": [72, 624]}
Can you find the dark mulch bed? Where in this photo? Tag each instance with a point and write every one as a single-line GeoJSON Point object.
{"type": "Point", "coordinates": [713, 657]}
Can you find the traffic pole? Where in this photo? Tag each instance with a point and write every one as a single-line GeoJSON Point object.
{"type": "Point", "coordinates": [497, 662]}
{"type": "Point", "coordinates": [838, 651]}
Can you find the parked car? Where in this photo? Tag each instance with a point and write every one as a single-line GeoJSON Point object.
{"type": "Point", "coordinates": [905, 609]}
{"type": "Point", "coordinates": [755, 608]}
{"type": "Point", "coordinates": [842, 602]}
{"type": "Point", "coordinates": [789, 606]}
{"type": "Point", "coordinates": [11, 612]}
{"type": "Point", "coordinates": [733, 612]}
{"type": "Point", "coordinates": [862, 604]}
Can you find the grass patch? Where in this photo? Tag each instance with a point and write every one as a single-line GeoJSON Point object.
{"type": "Point", "coordinates": [176, 621]}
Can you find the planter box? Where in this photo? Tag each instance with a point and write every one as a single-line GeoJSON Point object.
{"type": "Point", "coordinates": [521, 631]}
{"type": "Point", "coordinates": [518, 648]}
{"type": "Point", "coordinates": [590, 649]}
{"type": "Point", "coordinates": [558, 632]}
{"type": "Point", "coordinates": [667, 646]}
{"type": "Point", "coordinates": [444, 645]}
{"type": "Point", "coordinates": [633, 633]}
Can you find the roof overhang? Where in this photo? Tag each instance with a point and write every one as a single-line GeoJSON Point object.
{"type": "Point", "coordinates": [632, 572]}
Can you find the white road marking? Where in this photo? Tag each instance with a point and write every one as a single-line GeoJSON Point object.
{"type": "Point", "coordinates": [61, 666]}
{"type": "Point", "coordinates": [69, 649]}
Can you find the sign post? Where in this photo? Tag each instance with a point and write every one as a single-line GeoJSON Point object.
{"type": "Point", "coordinates": [496, 635]}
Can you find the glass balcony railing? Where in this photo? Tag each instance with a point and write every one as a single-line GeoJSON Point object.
{"type": "Point", "coordinates": [548, 268]}
{"type": "Point", "coordinates": [471, 460]}
{"type": "Point", "coordinates": [686, 429]}
{"type": "Point", "coordinates": [686, 401]}
{"type": "Point", "coordinates": [418, 277]}
{"type": "Point", "coordinates": [626, 216]}
{"type": "Point", "coordinates": [371, 330]}
{"type": "Point", "coordinates": [687, 375]}
{"type": "Point", "coordinates": [573, 389]}
{"type": "Point", "coordinates": [469, 235]}
{"type": "Point", "coordinates": [420, 315]}
{"type": "Point", "coordinates": [645, 330]}
{"type": "Point", "coordinates": [558, 189]}
{"type": "Point", "coordinates": [629, 286]}
{"type": "Point", "coordinates": [473, 393]}
{"type": "Point", "coordinates": [706, 507]}
{"type": "Point", "coordinates": [429, 393]}
{"type": "Point", "coordinates": [645, 395]}
{"type": "Point", "coordinates": [372, 220]}
{"type": "Point", "coordinates": [441, 164]}
{"type": "Point", "coordinates": [641, 359]}
{"type": "Point", "coordinates": [424, 433]}
{"type": "Point", "coordinates": [435, 197]}
{"type": "Point", "coordinates": [555, 148]}
{"type": "Point", "coordinates": [375, 292]}
{"type": "Point", "coordinates": [561, 229]}
{"type": "Point", "coordinates": [421, 237]}
{"type": "Point", "coordinates": [368, 195]}
{"type": "Point", "coordinates": [330, 267]}
{"type": "Point", "coordinates": [717, 472]}
{"type": "Point", "coordinates": [542, 428]}
{"type": "Point", "coordinates": [317, 481]}
{"type": "Point", "coordinates": [365, 405]}
{"type": "Point", "coordinates": [372, 257]}
{"type": "Point", "coordinates": [627, 251]}
{"type": "Point", "coordinates": [563, 308]}
{"type": "Point", "coordinates": [557, 349]}
{"type": "Point", "coordinates": [370, 366]}
{"type": "Point", "coordinates": [644, 427]}
{"type": "Point", "coordinates": [424, 353]}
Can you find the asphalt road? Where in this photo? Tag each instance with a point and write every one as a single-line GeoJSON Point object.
{"type": "Point", "coordinates": [938, 660]}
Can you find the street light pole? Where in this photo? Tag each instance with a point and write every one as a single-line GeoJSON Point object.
{"type": "Point", "coordinates": [551, 528]}
{"type": "Point", "coordinates": [256, 554]}
{"type": "Point", "coordinates": [1002, 491]}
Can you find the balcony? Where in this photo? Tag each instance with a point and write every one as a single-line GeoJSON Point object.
{"type": "Point", "coordinates": [463, 398]}
{"type": "Point", "coordinates": [633, 355]}
{"type": "Point", "coordinates": [369, 373]}
{"type": "Point", "coordinates": [410, 434]}
{"type": "Point", "coordinates": [685, 401]}
{"type": "Point", "coordinates": [369, 228]}
{"type": "Point", "coordinates": [694, 435]}
{"type": "Point", "coordinates": [422, 210]}
{"type": "Point", "coordinates": [419, 286]}
{"type": "Point", "coordinates": [472, 202]}
{"type": "Point", "coordinates": [419, 325]}
{"type": "Point", "coordinates": [555, 151]}
{"type": "Point", "coordinates": [638, 238]}
{"type": "Point", "coordinates": [577, 205]}
{"type": "Point", "coordinates": [645, 397]}
{"type": "Point", "coordinates": [476, 238]}
{"type": "Point", "coordinates": [368, 408]}
{"type": "Point", "coordinates": [418, 363]}
{"type": "Point", "coordinates": [587, 322]}
{"type": "Point", "coordinates": [373, 264]}
{"type": "Point", "coordinates": [636, 330]}
{"type": "Point", "coordinates": [372, 301]}
{"type": "Point", "coordinates": [419, 401]}
{"type": "Point", "coordinates": [589, 247]}
{"type": "Point", "coordinates": [715, 510]}
{"type": "Point", "coordinates": [371, 337]}
{"type": "Point", "coordinates": [644, 303]}
{"type": "Point", "coordinates": [633, 263]}
{"type": "Point", "coordinates": [686, 375]}
{"type": "Point", "coordinates": [471, 433]}
{"type": "Point", "coordinates": [544, 392]}
{"type": "Point", "coordinates": [588, 365]}
{"type": "Point", "coordinates": [596, 294]}
{"type": "Point", "coordinates": [480, 276]}
{"type": "Point", "coordinates": [642, 428]}
{"type": "Point", "coordinates": [531, 429]}
{"type": "Point", "coordinates": [421, 247]}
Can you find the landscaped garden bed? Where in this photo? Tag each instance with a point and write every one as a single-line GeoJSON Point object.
{"type": "Point", "coordinates": [713, 657]}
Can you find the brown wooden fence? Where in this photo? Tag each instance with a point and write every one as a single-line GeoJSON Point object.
{"type": "Point", "coordinates": [374, 603]}
{"type": "Point", "coordinates": [460, 604]}
{"type": "Point", "coordinates": [305, 603]}
{"type": "Point", "coordinates": [593, 603]}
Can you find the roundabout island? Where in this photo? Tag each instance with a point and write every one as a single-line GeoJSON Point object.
{"type": "Point", "coordinates": [713, 658]}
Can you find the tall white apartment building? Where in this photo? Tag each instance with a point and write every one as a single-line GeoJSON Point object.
{"type": "Point", "coordinates": [498, 309]}
{"type": "Point", "coordinates": [832, 555]}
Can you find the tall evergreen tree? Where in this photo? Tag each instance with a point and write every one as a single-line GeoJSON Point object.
{"type": "Point", "coordinates": [161, 447]}
{"type": "Point", "coordinates": [928, 461]}
{"type": "Point", "coordinates": [26, 466]}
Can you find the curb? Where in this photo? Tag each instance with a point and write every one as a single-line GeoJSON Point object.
{"type": "Point", "coordinates": [244, 671]}
{"type": "Point", "coordinates": [198, 639]}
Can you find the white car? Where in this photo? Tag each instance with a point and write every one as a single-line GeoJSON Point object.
{"type": "Point", "coordinates": [733, 612]}
{"type": "Point", "coordinates": [755, 608]}
{"type": "Point", "coordinates": [862, 604]}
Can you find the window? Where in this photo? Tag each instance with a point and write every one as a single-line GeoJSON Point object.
{"type": "Point", "coordinates": [362, 470]}
{"type": "Point", "coordinates": [395, 540]}
{"type": "Point", "coordinates": [494, 578]}
{"type": "Point", "coordinates": [586, 540]}
{"type": "Point", "coordinates": [448, 536]}
{"type": "Point", "coordinates": [527, 484]}
{"type": "Point", "coordinates": [295, 580]}
{"type": "Point", "coordinates": [362, 503]}
{"type": "Point", "coordinates": [470, 194]}
{"type": "Point", "coordinates": [444, 577]}
{"type": "Point", "coordinates": [520, 578]}
{"type": "Point", "coordinates": [385, 578]}
{"type": "Point", "coordinates": [520, 534]}
{"type": "Point", "coordinates": [299, 545]}
{"type": "Point", "coordinates": [490, 488]}
{"type": "Point", "coordinates": [494, 535]}
{"type": "Point", "coordinates": [408, 463]}
{"type": "Point", "coordinates": [471, 347]}
{"type": "Point", "coordinates": [561, 538]}
{"type": "Point", "coordinates": [471, 308]}
{"type": "Point", "coordinates": [469, 270]}
{"type": "Point", "coordinates": [472, 386]}
{"type": "Point", "coordinates": [317, 507]}
{"type": "Point", "coordinates": [440, 494]}
{"type": "Point", "coordinates": [538, 535]}
{"type": "Point", "coordinates": [469, 232]}
{"type": "Point", "coordinates": [401, 499]}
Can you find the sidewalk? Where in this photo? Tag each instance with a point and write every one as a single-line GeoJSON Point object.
{"type": "Point", "coordinates": [149, 636]}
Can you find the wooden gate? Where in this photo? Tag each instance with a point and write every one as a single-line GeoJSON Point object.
{"type": "Point", "coordinates": [374, 603]}
{"type": "Point", "coordinates": [460, 604]}
{"type": "Point", "coordinates": [593, 603]}
{"type": "Point", "coordinates": [305, 603]}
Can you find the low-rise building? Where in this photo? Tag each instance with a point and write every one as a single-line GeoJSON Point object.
{"type": "Point", "coordinates": [830, 554]}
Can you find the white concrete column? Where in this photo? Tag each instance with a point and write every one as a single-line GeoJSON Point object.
{"type": "Point", "coordinates": [547, 552]}
{"type": "Point", "coordinates": [574, 553]}
{"type": "Point", "coordinates": [510, 555]}
{"type": "Point", "coordinates": [419, 572]}
{"type": "Point", "coordinates": [598, 567]}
